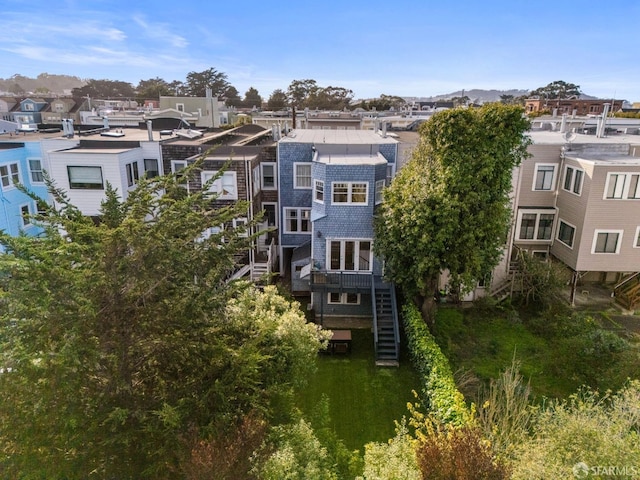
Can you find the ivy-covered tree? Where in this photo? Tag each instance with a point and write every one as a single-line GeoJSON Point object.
{"type": "Point", "coordinates": [123, 347]}
{"type": "Point", "coordinates": [448, 209]}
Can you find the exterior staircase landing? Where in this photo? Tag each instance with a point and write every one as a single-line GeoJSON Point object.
{"type": "Point", "coordinates": [385, 325]}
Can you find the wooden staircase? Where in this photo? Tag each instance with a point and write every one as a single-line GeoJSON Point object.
{"type": "Point", "coordinates": [385, 325]}
{"type": "Point", "coordinates": [627, 292]}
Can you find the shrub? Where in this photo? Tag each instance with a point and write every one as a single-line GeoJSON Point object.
{"type": "Point", "coordinates": [439, 390]}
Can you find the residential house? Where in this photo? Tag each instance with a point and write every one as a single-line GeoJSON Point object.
{"type": "Point", "coordinates": [59, 109]}
{"type": "Point", "coordinates": [577, 200]}
{"type": "Point", "coordinates": [29, 114]}
{"type": "Point", "coordinates": [330, 182]}
{"type": "Point", "coordinates": [571, 106]}
{"type": "Point", "coordinates": [203, 110]}
{"type": "Point", "coordinates": [20, 163]}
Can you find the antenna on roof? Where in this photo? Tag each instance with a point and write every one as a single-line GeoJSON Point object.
{"type": "Point", "coordinates": [569, 137]}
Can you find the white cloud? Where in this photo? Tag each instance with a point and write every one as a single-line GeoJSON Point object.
{"type": "Point", "coordinates": [159, 31]}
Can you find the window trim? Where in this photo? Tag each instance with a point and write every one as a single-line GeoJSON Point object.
{"type": "Point", "coordinates": [538, 213]}
{"type": "Point", "coordinates": [275, 208]}
{"type": "Point", "coordinates": [26, 222]}
{"type": "Point", "coordinates": [299, 211]}
{"type": "Point", "coordinates": [295, 176]}
{"type": "Point", "coordinates": [10, 176]}
{"type": "Point", "coordinates": [573, 239]}
{"type": "Point", "coordinates": [573, 183]}
{"type": "Point", "coordinates": [32, 171]}
{"type": "Point", "coordinates": [343, 298]}
{"type": "Point", "coordinates": [79, 186]}
{"type": "Point", "coordinates": [553, 177]}
{"type": "Point", "coordinates": [597, 232]}
{"type": "Point", "coordinates": [316, 184]}
{"type": "Point", "coordinates": [625, 189]}
{"type": "Point", "coordinates": [220, 182]}
{"type": "Point", "coordinates": [343, 256]}
{"type": "Point", "coordinates": [275, 176]}
{"type": "Point", "coordinates": [380, 184]}
{"type": "Point", "coordinates": [350, 193]}
{"type": "Point", "coordinates": [241, 221]}
{"type": "Point", "coordinates": [147, 170]}
{"type": "Point", "coordinates": [133, 173]}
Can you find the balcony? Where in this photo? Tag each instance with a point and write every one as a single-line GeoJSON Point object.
{"type": "Point", "coordinates": [340, 281]}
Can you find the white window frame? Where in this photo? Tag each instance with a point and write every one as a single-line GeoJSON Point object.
{"type": "Point", "coordinates": [257, 184]}
{"type": "Point", "coordinates": [536, 229]}
{"type": "Point", "coordinates": [624, 191]}
{"type": "Point", "coordinates": [297, 177]}
{"type": "Point", "coordinates": [275, 207]}
{"type": "Point", "coordinates": [553, 177]}
{"type": "Point", "coordinates": [380, 184]}
{"type": "Point", "coordinates": [180, 107]}
{"type": "Point", "coordinates": [228, 179]}
{"type": "Point", "coordinates": [275, 176]}
{"type": "Point", "coordinates": [9, 179]}
{"type": "Point", "coordinates": [391, 172]}
{"type": "Point", "coordinates": [147, 170]}
{"type": "Point", "coordinates": [343, 298]}
{"type": "Point", "coordinates": [36, 171]}
{"type": "Point", "coordinates": [601, 231]}
{"type": "Point", "coordinates": [299, 218]}
{"type": "Point", "coordinates": [636, 239]}
{"type": "Point", "coordinates": [84, 186]}
{"type": "Point", "coordinates": [343, 242]}
{"type": "Point", "coordinates": [573, 185]}
{"type": "Point", "coordinates": [133, 173]}
{"type": "Point", "coordinates": [318, 189]}
{"type": "Point", "coordinates": [573, 240]}
{"type": "Point", "coordinates": [241, 222]}
{"type": "Point", "coordinates": [349, 193]}
{"type": "Point", "coordinates": [26, 222]}
{"type": "Point", "coordinates": [177, 165]}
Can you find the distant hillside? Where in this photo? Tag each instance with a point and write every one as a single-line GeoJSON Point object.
{"type": "Point", "coordinates": [475, 95]}
{"type": "Point", "coordinates": [44, 84]}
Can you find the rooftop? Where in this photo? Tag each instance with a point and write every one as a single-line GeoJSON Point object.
{"type": "Point", "coordinates": [556, 138]}
{"type": "Point", "coordinates": [351, 159]}
{"type": "Point", "coordinates": [336, 137]}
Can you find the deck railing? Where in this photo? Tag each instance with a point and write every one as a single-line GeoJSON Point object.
{"type": "Point", "coordinates": [324, 279]}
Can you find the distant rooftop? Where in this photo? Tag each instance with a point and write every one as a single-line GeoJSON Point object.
{"type": "Point", "coordinates": [336, 137]}
{"type": "Point", "coordinates": [557, 138]}
{"type": "Point", "coordinates": [340, 159]}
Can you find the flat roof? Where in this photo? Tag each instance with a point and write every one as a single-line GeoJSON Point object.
{"type": "Point", "coordinates": [545, 137]}
{"type": "Point", "coordinates": [607, 159]}
{"type": "Point", "coordinates": [346, 159]}
{"type": "Point", "coordinates": [336, 137]}
{"type": "Point", "coordinates": [77, 150]}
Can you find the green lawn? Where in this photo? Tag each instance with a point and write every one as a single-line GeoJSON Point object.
{"type": "Point", "coordinates": [364, 400]}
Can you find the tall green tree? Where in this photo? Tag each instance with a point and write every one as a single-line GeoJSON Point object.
{"type": "Point", "coordinates": [277, 100]}
{"type": "Point", "coordinates": [232, 97]}
{"type": "Point", "coordinates": [557, 90]}
{"type": "Point", "coordinates": [448, 209]}
{"type": "Point", "coordinates": [153, 88]}
{"type": "Point", "coordinates": [252, 98]}
{"type": "Point", "coordinates": [122, 345]}
{"type": "Point", "coordinates": [197, 83]}
{"type": "Point", "coordinates": [105, 89]}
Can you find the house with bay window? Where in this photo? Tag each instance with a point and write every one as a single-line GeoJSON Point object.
{"type": "Point", "coordinates": [330, 182]}
{"type": "Point", "coordinates": [20, 163]}
{"type": "Point", "coordinates": [579, 203]}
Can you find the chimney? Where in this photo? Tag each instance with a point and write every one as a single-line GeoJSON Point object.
{"type": "Point", "coordinates": [150, 130]}
{"type": "Point", "coordinates": [384, 129]}
{"type": "Point", "coordinates": [563, 125]}
{"type": "Point", "coordinates": [573, 114]}
{"type": "Point", "coordinates": [555, 112]}
{"type": "Point", "coordinates": [105, 122]}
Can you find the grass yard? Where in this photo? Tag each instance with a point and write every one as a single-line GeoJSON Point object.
{"type": "Point", "coordinates": [557, 359]}
{"type": "Point", "coordinates": [364, 400]}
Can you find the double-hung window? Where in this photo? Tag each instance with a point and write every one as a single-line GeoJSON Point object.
{"type": "Point", "coordinates": [82, 177]}
{"type": "Point", "coordinates": [351, 255]}
{"type": "Point", "coordinates": [535, 225]}
{"type": "Point", "coordinates": [25, 213]}
{"type": "Point", "coordinates": [354, 193]}
{"type": "Point", "coordinates": [607, 241]}
{"type": "Point", "coordinates": [318, 191]}
{"type": "Point", "coordinates": [297, 220]}
{"type": "Point", "coordinates": [573, 178]}
{"type": "Point", "coordinates": [132, 173]}
{"type": "Point", "coordinates": [566, 233]}
{"type": "Point", "coordinates": [225, 186]}
{"type": "Point", "coordinates": [544, 176]}
{"type": "Point", "coordinates": [9, 175]}
{"type": "Point", "coordinates": [622, 186]}
{"type": "Point", "coordinates": [268, 170]}
{"type": "Point", "coordinates": [151, 167]}
{"type": "Point", "coordinates": [337, 298]}
{"type": "Point", "coordinates": [301, 175]}
{"type": "Point", "coordinates": [379, 187]}
{"type": "Point", "coordinates": [35, 168]}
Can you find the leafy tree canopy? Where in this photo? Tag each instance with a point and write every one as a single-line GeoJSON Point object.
{"type": "Point", "coordinates": [154, 88]}
{"type": "Point", "coordinates": [277, 100]}
{"type": "Point", "coordinates": [448, 208]}
{"type": "Point", "coordinates": [197, 83]}
{"type": "Point", "coordinates": [252, 98]}
{"type": "Point", "coordinates": [105, 89]}
{"type": "Point", "coordinates": [557, 91]}
{"type": "Point", "coordinates": [123, 345]}
{"type": "Point", "coordinates": [308, 94]}
{"type": "Point", "coordinates": [232, 97]}
{"type": "Point", "coordinates": [383, 102]}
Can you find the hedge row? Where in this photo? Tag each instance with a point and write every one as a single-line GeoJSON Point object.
{"type": "Point", "coordinates": [439, 391]}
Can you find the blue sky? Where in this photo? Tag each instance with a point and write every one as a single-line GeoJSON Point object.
{"type": "Point", "coordinates": [395, 47]}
